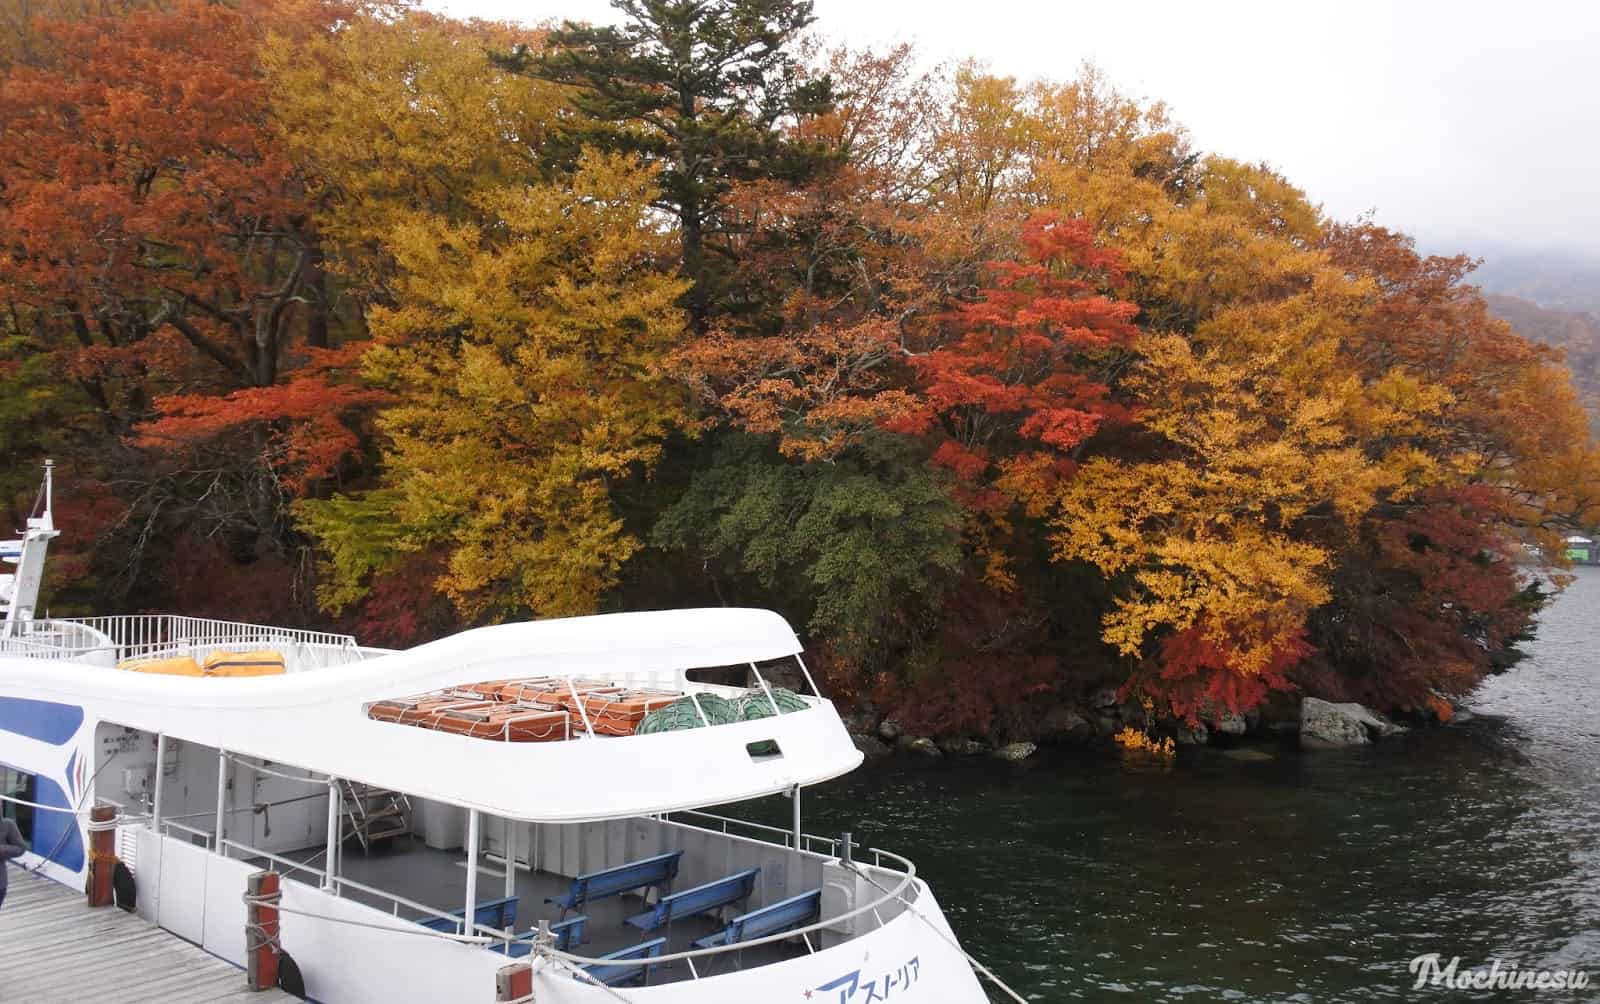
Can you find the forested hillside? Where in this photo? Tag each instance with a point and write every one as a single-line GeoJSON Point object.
{"type": "Point", "coordinates": [1002, 391]}
{"type": "Point", "coordinates": [1575, 333]}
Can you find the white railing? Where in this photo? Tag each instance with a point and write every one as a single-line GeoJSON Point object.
{"type": "Point", "coordinates": [135, 636]}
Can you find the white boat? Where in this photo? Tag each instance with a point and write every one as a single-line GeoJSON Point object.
{"type": "Point", "coordinates": [400, 793]}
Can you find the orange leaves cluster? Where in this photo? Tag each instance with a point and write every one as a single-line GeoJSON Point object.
{"type": "Point", "coordinates": [818, 391]}
{"type": "Point", "coordinates": [312, 417]}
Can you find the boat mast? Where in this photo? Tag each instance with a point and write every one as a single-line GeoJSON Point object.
{"type": "Point", "coordinates": [19, 591]}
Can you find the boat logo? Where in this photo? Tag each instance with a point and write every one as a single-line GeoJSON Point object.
{"type": "Point", "coordinates": [76, 766]}
{"type": "Point", "coordinates": [850, 985]}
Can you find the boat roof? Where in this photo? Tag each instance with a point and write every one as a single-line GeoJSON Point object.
{"type": "Point", "coordinates": [318, 719]}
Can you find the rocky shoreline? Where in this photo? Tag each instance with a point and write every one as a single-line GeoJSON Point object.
{"type": "Point", "coordinates": [1312, 723]}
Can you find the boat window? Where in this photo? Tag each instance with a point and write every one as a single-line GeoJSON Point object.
{"type": "Point", "coordinates": [766, 749]}
{"type": "Point", "coordinates": [16, 784]}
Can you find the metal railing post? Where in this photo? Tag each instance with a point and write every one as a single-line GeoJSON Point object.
{"type": "Point", "coordinates": [468, 918]}
{"type": "Point", "coordinates": [332, 850]}
{"type": "Point", "coordinates": [222, 796]}
{"type": "Point", "coordinates": [161, 769]}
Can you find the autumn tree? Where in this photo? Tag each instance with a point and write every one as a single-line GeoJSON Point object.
{"type": "Point", "coordinates": [701, 89]}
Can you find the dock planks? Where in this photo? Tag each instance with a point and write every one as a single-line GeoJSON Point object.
{"type": "Point", "coordinates": [55, 950]}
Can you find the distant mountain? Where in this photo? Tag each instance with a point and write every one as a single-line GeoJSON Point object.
{"type": "Point", "coordinates": [1575, 332]}
{"type": "Point", "coordinates": [1555, 280]}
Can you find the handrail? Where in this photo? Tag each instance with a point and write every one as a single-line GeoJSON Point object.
{"type": "Point", "coordinates": [907, 877]}
{"type": "Point", "coordinates": [807, 839]}
{"type": "Point", "coordinates": [290, 863]}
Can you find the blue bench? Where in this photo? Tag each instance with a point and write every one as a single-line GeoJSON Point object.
{"type": "Point", "coordinates": [796, 911]}
{"type": "Point", "coordinates": [500, 914]}
{"type": "Point", "coordinates": [616, 976]}
{"type": "Point", "coordinates": [568, 933]}
{"type": "Point", "coordinates": [658, 872]}
{"type": "Point", "coordinates": [701, 899]}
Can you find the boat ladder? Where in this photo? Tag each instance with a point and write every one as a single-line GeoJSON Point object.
{"type": "Point", "coordinates": [372, 814]}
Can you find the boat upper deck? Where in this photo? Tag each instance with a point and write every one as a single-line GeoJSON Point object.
{"type": "Point", "coordinates": [468, 719]}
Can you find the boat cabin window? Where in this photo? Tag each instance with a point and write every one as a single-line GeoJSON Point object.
{"type": "Point", "coordinates": [16, 784]}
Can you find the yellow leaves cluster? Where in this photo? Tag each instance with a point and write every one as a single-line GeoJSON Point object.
{"type": "Point", "coordinates": [524, 356]}
{"type": "Point", "coordinates": [518, 321]}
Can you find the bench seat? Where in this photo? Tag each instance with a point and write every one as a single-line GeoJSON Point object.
{"type": "Point", "coordinates": [658, 871]}
{"type": "Point", "coordinates": [500, 914]}
{"type": "Point", "coordinates": [702, 899]}
{"type": "Point", "coordinates": [616, 976]}
{"type": "Point", "coordinates": [567, 934]}
{"type": "Point", "coordinates": [796, 911]}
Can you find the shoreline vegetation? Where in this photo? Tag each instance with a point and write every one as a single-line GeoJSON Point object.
{"type": "Point", "coordinates": [1039, 422]}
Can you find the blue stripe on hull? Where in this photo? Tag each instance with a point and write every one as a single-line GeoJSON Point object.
{"type": "Point", "coordinates": [46, 721]}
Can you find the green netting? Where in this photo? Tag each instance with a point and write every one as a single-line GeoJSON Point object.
{"type": "Point", "coordinates": [754, 704]}
{"type": "Point", "coordinates": [681, 714]}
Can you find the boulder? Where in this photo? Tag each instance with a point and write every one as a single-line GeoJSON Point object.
{"type": "Point", "coordinates": [1231, 723]}
{"type": "Point", "coordinates": [869, 746]}
{"type": "Point", "coordinates": [1105, 725]}
{"type": "Point", "coordinates": [961, 747]}
{"type": "Point", "coordinates": [1015, 751]}
{"type": "Point", "coordinates": [1105, 697]}
{"type": "Point", "coordinates": [1462, 717]}
{"type": "Point", "coordinates": [1325, 725]}
{"type": "Point", "coordinates": [889, 730]}
{"type": "Point", "coordinates": [922, 745]}
{"type": "Point", "coordinates": [1192, 735]}
{"type": "Point", "coordinates": [1065, 725]}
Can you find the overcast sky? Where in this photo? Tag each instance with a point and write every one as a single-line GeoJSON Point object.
{"type": "Point", "coordinates": [1470, 124]}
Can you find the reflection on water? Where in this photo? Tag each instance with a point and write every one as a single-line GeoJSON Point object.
{"type": "Point", "coordinates": [1310, 878]}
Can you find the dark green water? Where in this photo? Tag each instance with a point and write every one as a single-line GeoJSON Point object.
{"type": "Point", "coordinates": [1308, 878]}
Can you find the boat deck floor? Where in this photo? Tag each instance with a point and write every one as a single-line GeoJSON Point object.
{"type": "Point", "coordinates": [54, 949]}
{"type": "Point", "coordinates": [436, 878]}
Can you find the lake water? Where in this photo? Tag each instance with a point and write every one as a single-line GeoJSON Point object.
{"type": "Point", "coordinates": [1310, 877]}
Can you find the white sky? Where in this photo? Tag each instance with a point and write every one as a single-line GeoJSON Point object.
{"type": "Point", "coordinates": [1467, 123]}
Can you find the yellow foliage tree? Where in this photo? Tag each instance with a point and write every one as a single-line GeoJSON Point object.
{"type": "Point", "coordinates": [517, 321]}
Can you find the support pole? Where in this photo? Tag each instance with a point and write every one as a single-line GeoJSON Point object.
{"type": "Point", "coordinates": [161, 771]}
{"type": "Point", "coordinates": [261, 930]}
{"type": "Point", "coordinates": [222, 799]}
{"type": "Point", "coordinates": [102, 854]}
{"type": "Point", "coordinates": [330, 861]}
{"type": "Point", "coordinates": [509, 847]}
{"type": "Point", "coordinates": [795, 794]}
{"type": "Point", "coordinates": [469, 918]}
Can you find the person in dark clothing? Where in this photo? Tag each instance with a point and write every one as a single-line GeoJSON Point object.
{"type": "Point", "coordinates": [11, 846]}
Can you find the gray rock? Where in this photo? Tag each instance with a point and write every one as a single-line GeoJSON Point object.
{"type": "Point", "coordinates": [1192, 735]}
{"type": "Point", "coordinates": [1105, 725]}
{"type": "Point", "coordinates": [1105, 697]}
{"type": "Point", "coordinates": [1231, 723]}
{"type": "Point", "coordinates": [1064, 725]}
{"type": "Point", "coordinates": [1015, 751]}
{"type": "Point", "coordinates": [922, 745]}
{"type": "Point", "coordinates": [961, 747]}
{"type": "Point", "coordinates": [1462, 717]}
{"type": "Point", "coordinates": [889, 730]}
{"type": "Point", "coordinates": [1325, 725]}
{"type": "Point", "coordinates": [870, 746]}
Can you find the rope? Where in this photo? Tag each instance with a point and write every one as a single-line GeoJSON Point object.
{"type": "Point", "coordinates": [911, 907]}
{"type": "Point", "coordinates": [61, 841]}
{"type": "Point", "coordinates": [579, 974]}
{"type": "Point", "coordinates": [259, 937]}
{"type": "Point", "coordinates": [416, 929]}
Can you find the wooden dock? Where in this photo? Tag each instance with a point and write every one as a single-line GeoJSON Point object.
{"type": "Point", "coordinates": [55, 950]}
